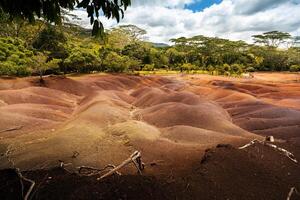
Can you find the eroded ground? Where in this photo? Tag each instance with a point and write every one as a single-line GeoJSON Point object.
{"type": "Point", "coordinates": [172, 120]}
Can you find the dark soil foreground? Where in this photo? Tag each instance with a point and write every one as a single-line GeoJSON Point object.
{"type": "Point", "coordinates": [225, 172]}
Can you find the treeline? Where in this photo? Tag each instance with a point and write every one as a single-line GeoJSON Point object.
{"type": "Point", "coordinates": [42, 48]}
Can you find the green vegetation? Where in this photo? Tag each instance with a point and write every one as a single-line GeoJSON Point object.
{"type": "Point", "coordinates": [52, 11]}
{"type": "Point", "coordinates": [42, 48]}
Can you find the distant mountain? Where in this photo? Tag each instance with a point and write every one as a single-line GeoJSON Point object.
{"type": "Point", "coordinates": [160, 45]}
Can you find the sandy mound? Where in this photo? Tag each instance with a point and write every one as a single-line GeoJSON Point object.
{"type": "Point", "coordinates": [154, 97]}
{"type": "Point", "coordinates": [206, 115]}
{"type": "Point", "coordinates": [134, 130]}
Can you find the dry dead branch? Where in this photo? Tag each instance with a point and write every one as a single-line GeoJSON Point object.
{"type": "Point", "coordinates": [135, 158]}
{"type": "Point", "coordinates": [281, 150]}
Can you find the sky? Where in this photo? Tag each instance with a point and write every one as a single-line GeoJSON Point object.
{"type": "Point", "coordinates": [231, 19]}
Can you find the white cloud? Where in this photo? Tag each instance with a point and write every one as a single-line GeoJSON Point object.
{"type": "Point", "coordinates": [233, 19]}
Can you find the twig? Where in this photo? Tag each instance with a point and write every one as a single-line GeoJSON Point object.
{"type": "Point", "coordinates": [291, 192]}
{"type": "Point", "coordinates": [11, 129]}
{"type": "Point", "coordinates": [134, 158]}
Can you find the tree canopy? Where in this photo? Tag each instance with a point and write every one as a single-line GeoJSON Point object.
{"type": "Point", "coordinates": [272, 38]}
{"type": "Point", "coordinates": [51, 10]}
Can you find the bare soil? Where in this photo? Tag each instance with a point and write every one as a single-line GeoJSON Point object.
{"type": "Point", "coordinates": [175, 121]}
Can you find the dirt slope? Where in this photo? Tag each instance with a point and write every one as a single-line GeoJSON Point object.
{"type": "Point", "coordinates": [172, 120]}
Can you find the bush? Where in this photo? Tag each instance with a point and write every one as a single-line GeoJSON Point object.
{"type": "Point", "coordinates": [237, 69]}
{"type": "Point", "coordinates": [188, 67]}
{"type": "Point", "coordinates": [116, 63]}
{"type": "Point", "coordinates": [81, 61]}
{"type": "Point", "coordinates": [295, 68]}
{"type": "Point", "coordinates": [250, 69]}
{"type": "Point", "coordinates": [15, 58]}
{"type": "Point", "coordinates": [148, 67]}
{"type": "Point", "coordinates": [10, 68]}
{"type": "Point", "coordinates": [224, 70]}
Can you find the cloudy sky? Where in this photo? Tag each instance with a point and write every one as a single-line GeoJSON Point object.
{"type": "Point", "coordinates": [232, 19]}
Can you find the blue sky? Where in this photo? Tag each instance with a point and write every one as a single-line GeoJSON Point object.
{"type": "Point", "coordinates": [201, 5]}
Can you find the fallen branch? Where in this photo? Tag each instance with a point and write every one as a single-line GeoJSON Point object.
{"type": "Point", "coordinates": [135, 158]}
{"type": "Point", "coordinates": [11, 129]}
{"type": "Point", "coordinates": [291, 192]}
{"type": "Point", "coordinates": [283, 151]}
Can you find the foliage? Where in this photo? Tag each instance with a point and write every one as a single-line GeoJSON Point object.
{"type": "Point", "coordinates": [15, 58]}
{"type": "Point", "coordinates": [272, 38]}
{"type": "Point", "coordinates": [295, 68]}
{"type": "Point", "coordinates": [51, 10]}
{"type": "Point", "coordinates": [40, 64]}
{"type": "Point", "coordinates": [81, 61]}
{"type": "Point", "coordinates": [188, 67]}
{"type": "Point", "coordinates": [148, 67]}
{"type": "Point", "coordinates": [43, 48]}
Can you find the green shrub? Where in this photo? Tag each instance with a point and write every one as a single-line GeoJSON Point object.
{"type": "Point", "coordinates": [237, 69]}
{"type": "Point", "coordinates": [10, 68]}
{"type": "Point", "coordinates": [225, 69]}
{"type": "Point", "coordinates": [295, 68]}
{"type": "Point", "coordinates": [116, 63]}
{"type": "Point", "coordinates": [81, 61]}
{"type": "Point", "coordinates": [148, 67]}
{"type": "Point", "coordinates": [15, 58]}
{"type": "Point", "coordinates": [188, 67]}
{"type": "Point", "coordinates": [250, 69]}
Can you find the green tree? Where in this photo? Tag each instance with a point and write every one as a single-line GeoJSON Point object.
{"type": "Point", "coordinates": [272, 38]}
{"type": "Point", "coordinates": [51, 40]}
{"type": "Point", "coordinates": [40, 65]}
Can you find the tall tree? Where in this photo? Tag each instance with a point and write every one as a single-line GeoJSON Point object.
{"type": "Point", "coordinates": [272, 38]}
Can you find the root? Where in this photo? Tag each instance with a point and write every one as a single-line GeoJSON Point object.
{"type": "Point", "coordinates": [21, 177]}
{"type": "Point", "coordinates": [291, 192]}
{"type": "Point", "coordinates": [135, 158]}
{"type": "Point", "coordinates": [281, 150]}
{"type": "Point", "coordinates": [91, 171]}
